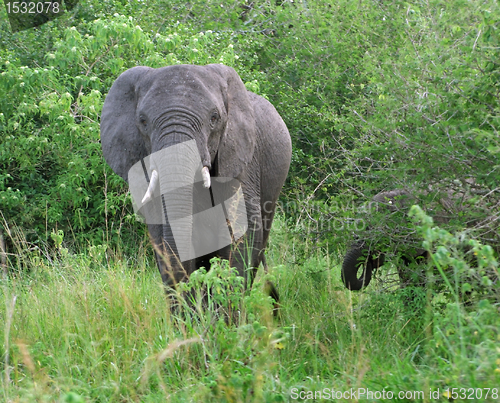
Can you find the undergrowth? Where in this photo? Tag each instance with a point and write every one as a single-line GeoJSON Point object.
{"type": "Point", "coordinates": [77, 329]}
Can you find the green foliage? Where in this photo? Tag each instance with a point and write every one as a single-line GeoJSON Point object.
{"type": "Point", "coordinates": [369, 114]}
{"type": "Point", "coordinates": [79, 329]}
{"type": "Point", "coordinates": [222, 285]}
{"type": "Point", "coordinates": [240, 327]}
{"type": "Point", "coordinates": [377, 96]}
{"type": "Point", "coordinates": [52, 171]}
{"type": "Point", "coordinates": [121, 308]}
{"type": "Point", "coordinates": [365, 114]}
{"type": "Point", "coordinates": [468, 269]}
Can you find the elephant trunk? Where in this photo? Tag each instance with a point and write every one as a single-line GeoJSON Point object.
{"type": "Point", "coordinates": [358, 257]}
{"type": "Point", "coordinates": [176, 166]}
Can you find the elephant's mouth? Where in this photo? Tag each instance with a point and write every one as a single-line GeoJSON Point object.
{"type": "Point", "coordinates": [153, 183]}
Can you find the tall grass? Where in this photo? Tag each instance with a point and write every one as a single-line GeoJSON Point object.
{"type": "Point", "coordinates": [77, 329]}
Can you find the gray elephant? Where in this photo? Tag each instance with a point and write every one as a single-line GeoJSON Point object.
{"type": "Point", "coordinates": [205, 160]}
{"type": "Point", "coordinates": [365, 255]}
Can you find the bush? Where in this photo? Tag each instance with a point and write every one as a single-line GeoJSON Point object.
{"type": "Point", "coordinates": [369, 114]}
{"type": "Point", "coordinates": [52, 174]}
{"type": "Point", "coordinates": [466, 269]}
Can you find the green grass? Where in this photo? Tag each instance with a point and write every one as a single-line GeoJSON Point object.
{"type": "Point", "coordinates": [80, 330]}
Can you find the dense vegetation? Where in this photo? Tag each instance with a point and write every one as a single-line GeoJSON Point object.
{"type": "Point", "coordinates": [376, 95]}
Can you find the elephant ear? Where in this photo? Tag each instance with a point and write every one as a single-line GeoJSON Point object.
{"type": "Point", "coordinates": [121, 141]}
{"type": "Point", "coordinates": [238, 142]}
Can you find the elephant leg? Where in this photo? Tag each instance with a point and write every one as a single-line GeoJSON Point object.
{"type": "Point", "coordinates": [163, 262]}
{"type": "Point", "coordinates": [244, 254]}
{"type": "Point", "coordinates": [165, 258]}
{"type": "Point", "coordinates": [247, 252]}
{"type": "Point", "coordinates": [155, 234]}
{"type": "Point", "coordinates": [251, 250]}
{"type": "Point", "coordinates": [267, 211]}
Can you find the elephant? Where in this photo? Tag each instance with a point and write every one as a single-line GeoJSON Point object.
{"type": "Point", "coordinates": [205, 161]}
{"type": "Point", "coordinates": [365, 253]}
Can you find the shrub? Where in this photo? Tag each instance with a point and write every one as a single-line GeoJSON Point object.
{"type": "Point", "coordinates": [52, 174]}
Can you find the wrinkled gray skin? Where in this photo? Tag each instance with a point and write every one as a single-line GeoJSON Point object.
{"type": "Point", "coordinates": [238, 135]}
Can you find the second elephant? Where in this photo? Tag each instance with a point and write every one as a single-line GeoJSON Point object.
{"type": "Point", "coordinates": [366, 254]}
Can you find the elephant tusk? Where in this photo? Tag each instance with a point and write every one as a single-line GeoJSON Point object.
{"type": "Point", "coordinates": [151, 188]}
{"type": "Point", "coordinates": [205, 173]}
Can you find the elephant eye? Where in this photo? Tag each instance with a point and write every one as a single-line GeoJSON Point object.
{"type": "Point", "coordinates": [143, 121]}
{"type": "Point", "coordinates": [214, 118]}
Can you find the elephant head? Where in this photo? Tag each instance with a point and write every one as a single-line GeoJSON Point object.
{"type": "Point", "coordinates": [178, 126]}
